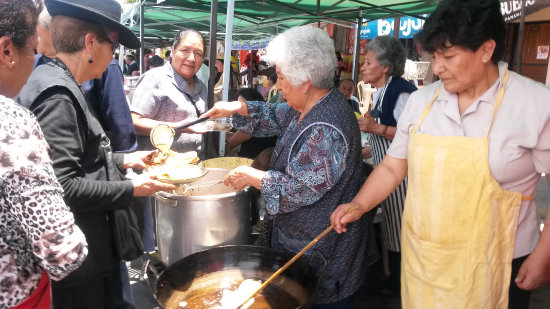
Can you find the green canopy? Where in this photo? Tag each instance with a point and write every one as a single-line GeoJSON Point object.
{"type": "Point", "coordinates": [256, 19]}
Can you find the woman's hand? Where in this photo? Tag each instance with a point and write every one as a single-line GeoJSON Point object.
{"type": "Point", "coordinates": [535, 271]}
{"type": "Point", "coordinates": [367, 124]}
{"type": "Point", "coordinates": [344, 214]}
{"type": "Point", "coordinates": [224, 109]}
{"type": "Point", "coordinates": [366, 152]}
{"type": "Point", "coordinates": [146, 185]}
{"type": "Point", "coordinates": [138, 159]}
{"type": "Point", "coordinates": [243, 176]}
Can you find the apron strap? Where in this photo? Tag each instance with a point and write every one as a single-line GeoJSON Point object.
{"type": "Point", "coordinates": [426, 111]}
{"type": "Point", "coordinates": [498, 101]}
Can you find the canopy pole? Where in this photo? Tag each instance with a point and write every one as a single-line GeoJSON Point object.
{"type": "Point", "coordinates": [396, 27]}
{"type": "Point", "coordinates": [520, 37]}
{"type": "Point", "coordinates": [122, 47]}
{"type": "Point", "coordinates": [227, 64]}
{"type": "Point", "coordinates": [210, 137]}
{"type": "Point", "coordinates": [212, 51]}
{"type": "Point", "coordinates": [141, 35]}
{"type": "Point", "coordinates": [356, 47]}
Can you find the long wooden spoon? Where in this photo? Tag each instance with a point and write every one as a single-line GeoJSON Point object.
{"type": "Point", "coordinates": [292, 260]}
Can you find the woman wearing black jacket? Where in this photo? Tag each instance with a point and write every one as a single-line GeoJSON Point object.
{"type": "Point", "coordinates": [85, 34]}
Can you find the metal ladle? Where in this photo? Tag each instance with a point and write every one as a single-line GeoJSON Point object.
{"type": "Point", "coordinates": [162, 135]}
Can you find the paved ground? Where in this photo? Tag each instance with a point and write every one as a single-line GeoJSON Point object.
{"type": "Point", "coordinates": [366, 296]}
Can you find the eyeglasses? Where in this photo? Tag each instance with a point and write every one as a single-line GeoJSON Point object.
{"type": "Point", "coordinates": [114, 44]}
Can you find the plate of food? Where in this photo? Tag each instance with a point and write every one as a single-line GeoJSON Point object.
{"type": "Point", "coordinates": [179, 173]}
{"type": "Point", "coordinates": [171, 157]}
{"type": "Point", "coordinates": [176, 168]}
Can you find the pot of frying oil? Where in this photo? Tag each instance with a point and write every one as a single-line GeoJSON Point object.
{"type": "Point", "coordinates": [223, 277]}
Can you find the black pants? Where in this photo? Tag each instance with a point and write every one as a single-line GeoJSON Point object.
{"type": "Point", "coordinates": [394, 280]}
{"type": "Point", "coordinates": [341, 304]}
{"type": "Point", "coordinates": [104, 292]}
{"type": "Point", "coordinates": [519, 299]}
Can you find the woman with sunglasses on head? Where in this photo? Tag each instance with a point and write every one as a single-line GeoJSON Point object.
{"type": "Point", "coordinates": [84, 34]}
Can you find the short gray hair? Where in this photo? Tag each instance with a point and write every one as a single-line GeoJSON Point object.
{"type": "Point", "coordinates": [68, 33]}
{"type": "Point", "coordinates": [389, 51]}
{"type": "Point", "coordinates": [304, 53]}
{"type": "Point", "coordinates": [45, 19]}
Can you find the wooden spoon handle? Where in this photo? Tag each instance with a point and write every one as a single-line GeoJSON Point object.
{"type": "Point", "coordinates": [299, 254]}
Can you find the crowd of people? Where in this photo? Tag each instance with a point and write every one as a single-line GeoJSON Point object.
{"type": "Point", "coordinates": [455, 169]}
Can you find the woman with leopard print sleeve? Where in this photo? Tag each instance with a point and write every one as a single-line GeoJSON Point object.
{"type": "Point", "coordinates": [38, 236]}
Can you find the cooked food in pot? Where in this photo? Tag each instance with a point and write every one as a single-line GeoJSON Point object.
{"type": "Point", "coordinates": [231, 292]}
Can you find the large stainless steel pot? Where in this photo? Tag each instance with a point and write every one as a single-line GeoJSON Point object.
{"type": "Point", "coordinates": [195, 277]}
{"type": "Point", "coordinates": [205, 217]}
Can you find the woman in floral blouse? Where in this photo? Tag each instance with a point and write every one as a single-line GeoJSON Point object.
{"type": "Point", "coordinates": [38, 237]}
{"type": "Point", "coordinates": [315, 165]}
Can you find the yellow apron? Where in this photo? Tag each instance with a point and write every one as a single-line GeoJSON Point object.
{"type": "Point", "coordinates": [459, 225]}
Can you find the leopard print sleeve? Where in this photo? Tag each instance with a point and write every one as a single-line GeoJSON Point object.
{"type": "Point", "coordinates": [37, 229]}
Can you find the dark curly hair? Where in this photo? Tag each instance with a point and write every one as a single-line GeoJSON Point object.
{"type": "Point", "coordinates": [465, 23]}
{"type": "Point", "coordinates": [18, 20]}
{"type": "Point", "coordinates": [251, 94]}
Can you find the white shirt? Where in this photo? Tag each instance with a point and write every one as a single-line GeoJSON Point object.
{"type": "Point", "coordinates": [519, 140]}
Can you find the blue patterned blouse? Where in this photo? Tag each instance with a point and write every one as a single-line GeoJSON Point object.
{"type": "Point", "coordinates": [313, 168]}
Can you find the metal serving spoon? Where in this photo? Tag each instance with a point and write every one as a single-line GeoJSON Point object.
{"type": "Point", "coordinates": [162, 135]}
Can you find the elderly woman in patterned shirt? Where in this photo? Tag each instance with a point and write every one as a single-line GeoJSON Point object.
{"type": "Point", "coordinates": [38, 237]}
{"type": "Point", "coordinates": [316, 163]}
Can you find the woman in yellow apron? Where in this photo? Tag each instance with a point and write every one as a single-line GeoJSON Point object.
{"type": "Point", "coordinates": [473, 146]}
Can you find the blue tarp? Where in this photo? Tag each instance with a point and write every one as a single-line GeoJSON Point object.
{"type": "Point", "coordinates": [408, 27]}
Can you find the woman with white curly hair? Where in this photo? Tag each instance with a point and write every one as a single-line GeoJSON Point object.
{"type": "Point", "coordinates": [315, 165]}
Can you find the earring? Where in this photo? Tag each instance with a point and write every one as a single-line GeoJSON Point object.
{"type": "Point", "coordinates": [484, 60]}
{"type": "Point", "coordinates": [12, 63]}
{"type": "Point", "coordinates": [90, 60]}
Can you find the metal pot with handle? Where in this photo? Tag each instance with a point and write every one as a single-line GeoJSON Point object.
{"type": "Point", "coordinates": [195, 218]}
